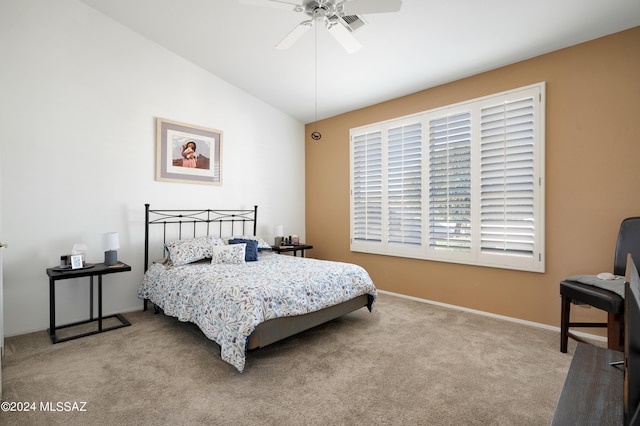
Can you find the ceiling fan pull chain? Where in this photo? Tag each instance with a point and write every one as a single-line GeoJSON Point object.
{"type": "Point", "coordinates": [316, 135]}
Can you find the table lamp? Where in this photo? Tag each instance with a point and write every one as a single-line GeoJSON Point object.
{"type": "Point", "coordinates": [112, 244]}
{"type": "Point", "coordinates": [279, 231]}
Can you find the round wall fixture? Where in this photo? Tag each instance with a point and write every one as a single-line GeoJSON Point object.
{"type": "Point", "coordinates": [316, 136]}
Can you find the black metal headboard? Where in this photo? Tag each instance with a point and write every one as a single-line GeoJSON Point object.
{"type": "Point", "coordinates": [194, 223]}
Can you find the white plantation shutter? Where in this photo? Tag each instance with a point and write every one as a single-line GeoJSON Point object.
{"type": "Point", "coordinates": [367, 187]}
{"type": "Point", "coordinates": [450, 182]}
{"type": "Point", "coordinates": [462, 183]}
{"type": "Point", "coordinates": [404, 184]}
{"type": "Point", "coordinates": [507, 178]}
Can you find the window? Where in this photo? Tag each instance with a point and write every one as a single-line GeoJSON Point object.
{"type": "Point", "coordinates": [367, 176]}
{"type": "Point", "coordinates": [404, 184]}
{"type": "Point", "coordinates": [462, 183]}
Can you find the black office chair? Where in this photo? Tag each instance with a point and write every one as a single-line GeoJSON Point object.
{"type": "Point", "coordinates": [609, 301]}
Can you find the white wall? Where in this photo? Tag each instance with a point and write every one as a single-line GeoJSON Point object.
{"type": "Point", "coordinates": [79, 94]}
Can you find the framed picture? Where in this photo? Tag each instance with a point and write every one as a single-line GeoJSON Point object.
{"type": "Point", "coordinates": [76, 261]}
{"type": "Point", "coordinates": [187, 153]}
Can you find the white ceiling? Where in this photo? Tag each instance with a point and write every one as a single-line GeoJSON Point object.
{"type": "Point", "coordinates": [426, 44]}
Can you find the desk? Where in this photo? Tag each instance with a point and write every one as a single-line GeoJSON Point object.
{"type": "Point", "coordinates": [99, 269]}
{"type": "Point", "coordinates": [592, 391]}
{"type": "Point", "coordinates": [295, 249]}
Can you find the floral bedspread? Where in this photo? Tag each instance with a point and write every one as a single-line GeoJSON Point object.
{"type": "Point", "coordinates": [227, 301]}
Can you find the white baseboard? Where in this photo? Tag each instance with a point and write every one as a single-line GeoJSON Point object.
{"type": "Point", "coordinates": [489, 314]}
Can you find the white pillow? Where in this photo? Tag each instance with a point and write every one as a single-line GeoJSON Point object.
{"type": "Point", "coordinates": [191, 250]}
{"type": "Point", "coordinates": [233, 253]}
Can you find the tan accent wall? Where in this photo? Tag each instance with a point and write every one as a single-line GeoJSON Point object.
{"type": "Point", "coordinates": [592, 180]}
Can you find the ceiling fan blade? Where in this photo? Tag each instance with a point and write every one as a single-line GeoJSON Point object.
{"type": "Point", "coordinates": [344, 37]}
{"type": "Point", "coordinates": [355, 7]}
{"type": "Point", "coordinates": [278, 4]}
{"type": "Point", "coordinates": [291, 2]}
{"type": "Point", "coordinates": [294, 35]}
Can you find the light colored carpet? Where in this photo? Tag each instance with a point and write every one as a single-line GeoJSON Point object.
{"type": "Point", "coordinates": [407, 363]}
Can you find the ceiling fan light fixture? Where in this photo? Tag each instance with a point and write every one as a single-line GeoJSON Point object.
{"type": "Point", "coordinates": [322, 8]}
{"type": "Point", "coordinates": [344, 12]}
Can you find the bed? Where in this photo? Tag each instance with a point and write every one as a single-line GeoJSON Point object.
{"type": "Point", "coordinates": [210, 268]}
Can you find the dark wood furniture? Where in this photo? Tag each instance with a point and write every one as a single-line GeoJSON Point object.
{"type": "Point", "coordinates": [628, 242]}
{"type": "Point", "coordinates": [295, 249]}
{"type": "Point", "coordinates": [600, 298]}
{"type": "Point", "coordinates": [97, 270]}
{"type": "Point", "coordinates": [593, 388]}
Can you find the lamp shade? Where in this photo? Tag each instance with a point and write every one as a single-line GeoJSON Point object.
{"type": "Point", "coordinates": [279, 231]}
{"type": "Point", "coordinates": [112, 241]}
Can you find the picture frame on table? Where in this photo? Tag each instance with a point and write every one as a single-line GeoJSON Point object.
{"type": "Point", "coordinates": [76, 261]}
{"type": "Point", "coordinates": [187, 153]}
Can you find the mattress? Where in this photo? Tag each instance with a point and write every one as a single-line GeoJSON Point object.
{"type": "Point", "coordinates": [228, 301]}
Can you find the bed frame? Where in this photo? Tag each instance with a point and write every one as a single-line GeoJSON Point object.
{"type": "Point", "coordinates": [178, 224]}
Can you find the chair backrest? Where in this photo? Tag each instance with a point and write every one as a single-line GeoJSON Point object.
{"type": "Point", "coordinates": [628, 242]}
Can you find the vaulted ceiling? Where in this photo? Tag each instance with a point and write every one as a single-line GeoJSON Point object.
{"type": "Point", "coordinates": [425, 44]}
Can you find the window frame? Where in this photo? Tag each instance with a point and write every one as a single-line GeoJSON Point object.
{"type": "Point", "coordinates": [535, 262]}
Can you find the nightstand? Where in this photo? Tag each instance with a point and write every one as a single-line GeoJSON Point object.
{"type": "Point", "coordinates": [295, 249]}
{"type": "Point", "coordinates": [95, 270]}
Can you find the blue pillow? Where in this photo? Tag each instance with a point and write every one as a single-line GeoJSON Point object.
{"type": "Point", "coordinates": [251, 252]}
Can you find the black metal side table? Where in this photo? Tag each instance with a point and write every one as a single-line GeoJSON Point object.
{"type": "Point", "coordinates": [295, 249]}
{"type": "Point", "coordinates": [90, 270]}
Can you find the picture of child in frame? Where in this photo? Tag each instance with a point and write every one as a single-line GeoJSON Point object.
{"type": "Point", "coordinates": [191, 155]}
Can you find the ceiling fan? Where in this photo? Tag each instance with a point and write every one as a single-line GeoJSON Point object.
{"type": "Point", "coordinates": [340, 17]}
